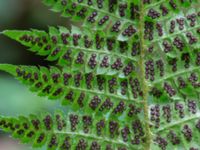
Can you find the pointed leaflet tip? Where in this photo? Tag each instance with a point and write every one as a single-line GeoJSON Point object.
{"type": "Point", "coordinates": [8, 68]}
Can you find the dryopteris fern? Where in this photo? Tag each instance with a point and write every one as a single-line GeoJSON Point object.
{"type": "Point", "coordinates": [131, 74]}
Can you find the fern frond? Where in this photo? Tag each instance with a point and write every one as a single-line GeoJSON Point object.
{"type": "Point", "coordinates": [133, 64]}
{"type": "Point", "coordinates": [72, 131]}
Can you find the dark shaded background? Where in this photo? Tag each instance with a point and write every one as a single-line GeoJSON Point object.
{"type": "Point", "coordinates": [15, 99]}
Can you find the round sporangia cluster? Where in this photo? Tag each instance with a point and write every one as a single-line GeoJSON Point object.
{"type": "Point", "coordinates": [87, 121]}
{"type": "Point", "coordinates": [167, 46]}
{"type": "Point", "coordinates": [192, 18]}
{"type": "Point", "coordinates": [192, 106]}
{"type": "Point", "coordinates": [20, 132]}
{"type": "Point", "coordinates": [55, 77]}
{"type": "Point", "coordinates": [66, 144]}
{"type": "Point", "coordinates": [135, 49]}
{"type": "Point", "coordinates": [129, 31]}
{"type": "Point", "coordinates": [105, 62]}
{"type": "Point", "coordinates": [77, 79]}
{"type": "Point", "coordinates": [133, 110]}
{"type": "Point", "coordinates": [174, 139]}
{"type": "Point", "coordinates": [122, 9]}
{"type": "Point", "coordinates": [116, 27]}
{"type": "Point", "coordinates": [111, 5]}
{"type": "Point", "coordinates": [117, 65]}
{"type": "Point", "coordinates": [103, 20]}
{"type": "Point", "coordinates": [172, 26]}
{"type": "Point", "coordinates": [91, 18]}
{"type": "Point", "coordinates": [89, 78]}
{"type": "Point", "coordinates": [173, 4]}
{"type": "Point", "coordinates": [192, 39]}
{"type": "Point", "coordinates": [99, 41]}
{"type": "Point", "coordinates": [113, 128]}
{"type": "Point", "coordinates": [47, 89]}
{"type": "Point", "coordinates": [181, 23]}
{"type": "Point", "coordinates": [198, 59]}
{"type": "Point", "coordinates": [110, 43]}
{"type": "Point", "coordinates": [76, 38]}
{"type": "Point", "coordinates": [100, 4]}
{"type": "Point", "coordinates": [67, 55]}
{"type": "Point", "coordinates": [149, 70]}
{"type": "Point", "coordinates": [153, 13]}
{"type": "Point", "coordinates": [120, 108]}
{"type": "Point", "coordinates": [74, 120]}
{"type": "Point", "coordinates": [156, 92]}
{"type": "Point", "coordinates": [80, 58]}
{"type": "Point", "coordinates": [162, 142]}
{"type": "Point", "coordinates": [41, 138]}
{"type": "Point", "coordinates": [112, 83]}
{"type": "Point", "coordinates": [92, 61]}
{"type": "Point", "coordinates": [125, 133]}
{"type": "Point", "coordinates": [55, 51]}
{"type": "Point", "coordinates": [95, 146]}
{"type": "Point", "coordinates": [138, 132]}
{"type": "Point", "coordinates": [81, 99]}
{"type": "Point", "coordinates": [87, 42]}
{"type": "Point", "coordinates": [100, 126]}
{"type": "Point", "coordinates": [135, 87]}
{"type": "Point", "coordinates": [124, 86]}
{"type": "Point", "coordinates": [66, 78]}
{"type": "Point", "coordinates": [187, 132]}
{"type": "Point", "coordinates": [48, 122]}
{"type": "Point", "coordinates": [181, 82]}
{"type": "Point", "coordinates": [164, 10]}
{"type": "Point", "coordinates": [101, 82]}
{"type": "Point", "coordinates": [128, 69]}
{"type": "Point", "coordinates": [82, 12]}
{"type": "Point", "coordinates": [193, 79]}
{"type": "Point", "coordinates": [47, 47]}
{"type": "Point", "coordinates": [123, 46]}
{"type": "Point", "coordinates": [60, 122]}
{"type": "Point", "coordinates": [150, 49]}
{"type": "Point", "coordinates": [36, 123]}
{"type": "Point", "coordinates": [160, 66]}
{"type": "Point", "coordinates": [53, 141]}
{"type": "Point", "coordinates": [178, 43]}
{"type": "Point", "coordinates": [159, 29]}
{"type": "Point", "coordinates": [134, 11]}
{"type": "Point", "coordinates": [148, 30]}
{"type": "Point", "coordinates": [44, 77]}
{"type": "Point", "coordinates": [90, 3]}
{"type": "Point", "coordinates": [94, 102]}
{"type": "Point", "coordinates": [57, 92]}
{"type": "Point", "coordinates": [169, 89]}
{"type": "Point", "coordinates": [180, 108]}
{"type": "Point", "coordinates": [30, 134]}
{"type": "Point", "coordinates": [155, 115]}
{"type": "Point", "coordinates": [64, 37]}
{"type": "Point", "coordinates": [63, 2]}
{"type": "Point", "coordinates": [70, 96]}
{"type": "Point", "coordinates": [54, 39]}
{"type": "Point", "coordinates": [107, 104]}
{"type": "Point", "coordinates": [167, 112]}
{"type": "Point", "coordinates": [186, 58]}
{"type": "Point", "coordinates": [82, 145]}
{"type": "Point", "coordinates": [173, 63]}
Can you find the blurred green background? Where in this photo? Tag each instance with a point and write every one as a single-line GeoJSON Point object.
{"type": "Point", "coordinates": [15, 99]}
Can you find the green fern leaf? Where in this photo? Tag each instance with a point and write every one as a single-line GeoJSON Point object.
{"type": "Point", "coordinates": [133, 68]}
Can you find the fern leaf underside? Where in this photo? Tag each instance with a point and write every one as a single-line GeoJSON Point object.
{"type": "Point", "coordinates": [130, 74]}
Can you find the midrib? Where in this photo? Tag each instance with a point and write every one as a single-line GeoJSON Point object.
{"type": "Point", "coordinates": [145, 87]}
